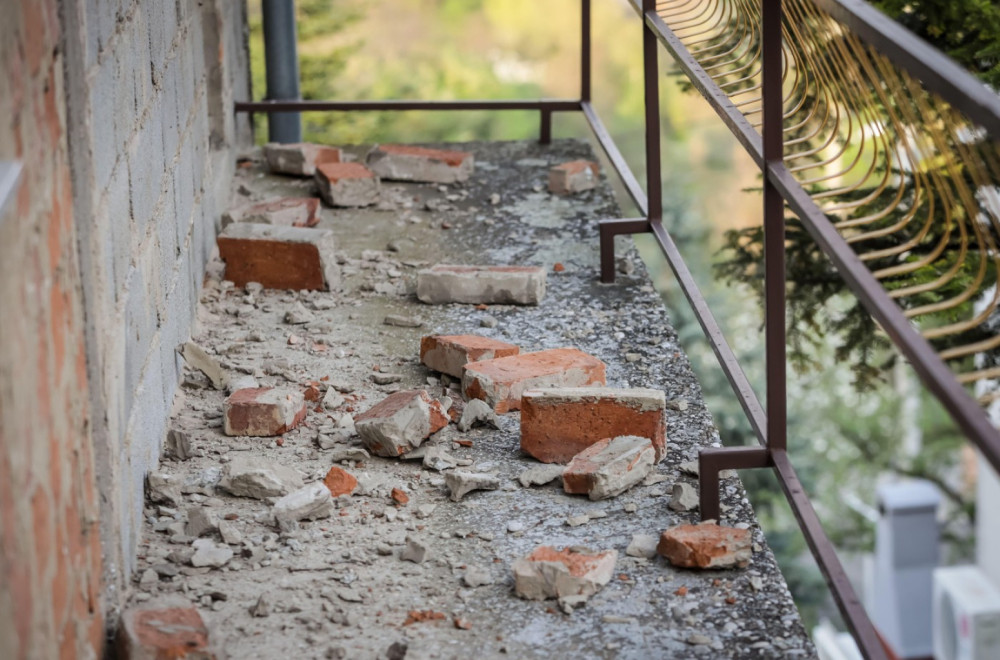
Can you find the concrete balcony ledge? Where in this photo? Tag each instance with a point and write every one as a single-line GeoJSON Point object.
{"type": "Point", "coordinates": [329, 590]}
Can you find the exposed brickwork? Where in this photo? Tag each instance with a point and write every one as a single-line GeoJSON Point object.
{"type": "Point", "coordinates": [50, 552]}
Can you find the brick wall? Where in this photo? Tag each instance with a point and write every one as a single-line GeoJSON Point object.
{"type": "Point", "coordinates": [50, 554]}
{"type": "Point", "coordinates": [149, 89]}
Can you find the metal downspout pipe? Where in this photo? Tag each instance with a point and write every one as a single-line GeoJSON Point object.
{"type": "Point", "coordinates": [281, 58]}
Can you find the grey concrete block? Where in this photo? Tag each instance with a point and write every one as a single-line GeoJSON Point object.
{"type": "Point", "coordinates": [502, 285]}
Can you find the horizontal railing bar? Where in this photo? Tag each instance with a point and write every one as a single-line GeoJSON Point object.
{"type": "Point", "coordinates": [855, 616]}
{"type": "Point", "coordinates": [938, 72]}
{"type": "Point", "coordinates": [716, 339]}
{"type": "Point", "coordinates": [934, 373]}
{"type": "Point", "coordinates": [718, 99]}
{"type": "Point", "coordinates": [552, 105]}
{"type": "Point", "coordinates": [615, 156]}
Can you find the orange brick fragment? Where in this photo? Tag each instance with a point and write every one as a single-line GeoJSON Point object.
{"type": "Point", "coordinates": [450, 353]}
{"type": "Point", "coordinates": [340, 482]}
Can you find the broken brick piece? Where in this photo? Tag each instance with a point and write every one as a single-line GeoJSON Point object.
{"type": "Point", "coordinates": [400, 422]}
{"type": "Point", "coordinates": [284, 211]}
{"type": "Point", "coordinates": [408, 163]}
{"type": "Point", "coordinates": [609, 467]}
{"type": "Point", "coordinates": [340, 482]}
{"type": "Point", "coordinates": [558, 423]}
{"type": "Point", "coordinates": [279, 257]}
{"type": "Point", "coordinates": [573, 177]}
{"type": "Point", "coordinates": [495, 285]}
{"type": "Point", "coordinates": [263, 411]}
{"type": "Point", "coordinates": [502, 381]}
{"type": "Point", "coordinates": [450, 353]}
{"type": "Point", "coordinates": [347, 184]}
{"type": "Point", "coordinates": [550, 573]}
{"type": "Point", "coordinates": [174, 632]}
{"type": "Point", "coordinates": [706, 545]}
{"type": "Point", "coordinates": [299, 158]}
{"type": "Point", "coordinates": [421, 616]}
{"type": "Point", "coordinates": [400, 497]}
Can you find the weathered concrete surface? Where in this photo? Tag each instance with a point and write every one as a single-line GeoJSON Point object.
{"type": "Point", "coordinates": [315, 580]}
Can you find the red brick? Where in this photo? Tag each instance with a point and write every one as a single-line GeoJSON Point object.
{"type": "Point", "coordinates": [400, 422]}
{"type": "Point", "coordinates": [559, 423]}
{"type": "Point", "coordinates": [409, 163]}
{"type": "Point", "coordinates": [502, 381]}
{"type": "Point", "coordinates": [450, 353]}
{"type": "Point", "coordinates": [334, 172]}
{"type": "Point", "coordinates": [279, 257]}
{"type": "Point", "coordinates": [706, 545]}
{"type": "Point", "coordinates": [299, 158]}
{"type": "Point", "coordinates": [347, 184]}
{"type": "Point", "coordinates": [340, 482]}
{"type": "Point", "coordinates": [609, 467]}
{"type": "Point", "coordinates": [164, 634]}
{"type": "Point", "coordinates": [285, 211]}
{"type": "Point", "coordinates": [263, 411]}
{"type": "Point", "coordinates": [572, 177]}
{"type": "Point", "coordinates": [453, 158]}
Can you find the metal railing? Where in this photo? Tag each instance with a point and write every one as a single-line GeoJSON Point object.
{"type": "Point", "coordinates": [802, 84]}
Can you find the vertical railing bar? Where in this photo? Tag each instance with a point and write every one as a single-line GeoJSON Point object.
{"type": "Point", "coordinates": [651, 81]}
{"type": "Point", "coordinates": [774, 228]}
{"type": "Point", "coordinates": [585, 37]}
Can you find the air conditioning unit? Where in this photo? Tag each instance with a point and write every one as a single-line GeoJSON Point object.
{"type": "Point", "coordinates": [966, 615]}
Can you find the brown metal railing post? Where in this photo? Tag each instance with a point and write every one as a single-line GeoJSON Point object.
{"type": "Point", "coordinates": [584, 51]}
{"type": "Point", "coordinates": [545, 129]}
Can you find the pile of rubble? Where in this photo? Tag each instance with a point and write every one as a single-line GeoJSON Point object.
{"type": "Point", "coordinates": [595, 440]}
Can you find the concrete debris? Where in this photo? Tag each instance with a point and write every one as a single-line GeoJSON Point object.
{"type": "Point", "coordinates": [347, 184]}
{"type": "Point", "coordinates": [150, 632]}
{"type": "Point", "coordinates": [400, 423]}
{"type": "Point", "coordinates": [299, 315]}
{"type": "Point", "coordinates": [279, 257]}
{"type": "Point", "coordinates": [307, 503]}
{"type": "Point", "coordinates": [477, 576]}
{"type": "Point", "coordinates": [356, 454]}
{"type": "Point", "coordinates": [229, 533]}
{"type": "Point", "coordinates": [550, 573]}
{"type": "Point", "coordinates": [149, 578]}
{"type": "Point", "coordinates": [642, 545]}
{"type": "Point", "coordinates": [609, 467]}
{"type": "Point", "coordinates": [299, 158]}
{"type": "Point", "coordinates": [201, 521]}
{"type": "Point", "coordinates": [241, 382]}
{"type": "Point", "coordinates": [540, 475]}
{"type": "Point", "coordinates": [450, 353]}
{"type": "Point", "coordinates": [386, 379]}
{"type": "Point", "coordinates": [258, 478]}
{"type": "Point", "coordinates": [340, 482]}
{"type": "Point", "coordinates": [683, 497]}
{"type": "Point", "coordinates": [196, 358]}
{"type": "Point", "coordinates": [401, 321]}
{"type": "Point", "coordinates": [208, 553]}
{"type": "Point", "coordinates": [697, 639]}
{"type": "Point", "coordinates": [576, 521]}
{"type": "Point", "coordinates": [409, 163]}
{"type": "Point", "coordinates": [263, 606]}
{"type": "Point", "coordinates": [178, 445]}
{"type": "Point", "coordinates": [332, 399]}
{"type": "Point", "coordinates": [285, 211]}
{"type": "Point", "coordinates": [437, 458]}
{"type": "Point", "coordinates": [488, 321]}
{"type": "Point", "coordinates": [166, 488]}
{"type": "Point", "coordinates": [558, 423]}
{"type": "Point", "coordinates": [264, 411]}
{"type": "Point", "coordinates": [489, 285]}
{"type": "Point", "coordinates": [461, 483]}
{"type": "Point", "coordinates": [573, 177]}
{"type": "Point", "coordinates": [477, 413]}
{"type": "Point", "coordinates": [706, 545]}
{"type": "Point", "coordinates": [415, 550]}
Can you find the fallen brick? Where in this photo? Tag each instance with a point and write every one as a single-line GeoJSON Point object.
{"type": "Point", "coordinates": [609, 467]}
{"type": "Point", "coordinates": [422, 616]}
{"type": "Point", "coordinates": [573, 177]}
{"type": "Point", "coordinates": [284, 211]}
{"type": "Point", "coordinates": [172, 632]}
{"type": "Point", "coordinates": [450, 353]}
{"type": "Point", "coordinates": [706, 545]}
{"type": "Point", "coordinates": [400, 422]}
{"type": "Point", "coordinates": [263, 411]}
{"type": "Point", "coordinates": [502, 381]}
{"type": "Point", "coordinates": [558, 423]}
{"type": "Point", "coordinates": [551, 573]}
{"type": "Point", "coordinates": [299, 158]}
{"type": "Point", "coordinates": [279, 257]}
{"type": "Point", "coordinates": [340, 481]}
{"type": "Point", "coordinates": [495, 285]}
{"type": "Point", "coordinates": [408, 163]}
{"type": "Point", "coordinates": [347, 184]}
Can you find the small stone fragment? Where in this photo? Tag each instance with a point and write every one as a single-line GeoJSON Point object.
{"type": "Point", "coordinates": [540, 475]}
{"type": "Point", "coordinates": [229, 533]}
{"type": "Point", "coordinates": [400, 497]}
{"type": "Point", "coordinates": [400, 422]}
{"type": "Point", "coordinates": [201, 521]}
{"type": "Point", "coordinates": [706, 545]}
{"type": "Point", "coordinates": [550, 573]}
{"type": "Point", "coordinates": [262, 608]}
{"type": "Point", "coordinates": [492, 285]}
{"type": "Point", "coordinates": [299, 315]}
{"type": "Point", "coordinates": [415, 551]}
{"type": "Point", "coordinates": [573, 177]}
{"type": "Point", "coordinates": [264, 411]}
{"type": "Point", "coordinates": [348, 454]}
{"type": "Point", "coordinates": [401, 321]}
{"type": "Point", "coordinates": [683, 497]}
{"type": "Point", "coordinates": [178, 445]}
{"type": "Point", "coordinates": [642, 545]}
{"type": "Point", "coordinates": [450, 353]}
{"type": "Point", "coordinates": [196, 358]}
{"type": "Point", "coordinates": [332, 399]}
{"type": "Point", "coordinates": [438, 458]}
{"type": "Point", "coordinates": [386, 379]}
{"type": "Point", "coordinates": [477, 576]}
{"type": "Point", "coordinates": [340, 482]}
{"type": "Point", "coordinates": [477, 413]}
{"type": "Point", "coordinates": [149, 578]}
{"type": "Point", "coordinates": [258, 478]}
{"type": "Point", "coordinates": [166, 488]}
{"type": "Point", "coordinates": [610, 467]}
{"type": "Point", "coordinates": [461, 483]}
{"type": "Point", "coordinates": [307, 503]}
{"type": "Point", "coordinates": [208, 553]}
